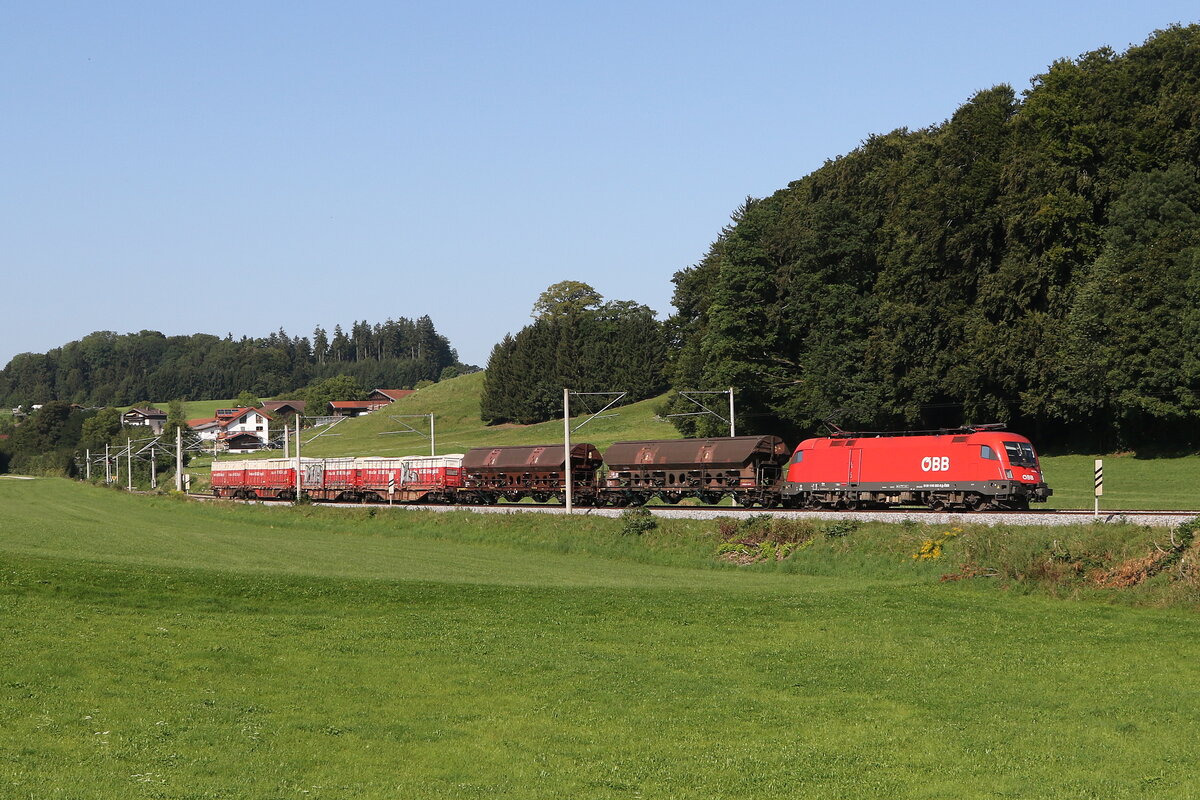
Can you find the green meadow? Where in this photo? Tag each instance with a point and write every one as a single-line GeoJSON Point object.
{"type": "Point", "coordinates": [159, 648]}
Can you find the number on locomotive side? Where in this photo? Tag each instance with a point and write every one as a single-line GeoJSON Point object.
{"type": "Point", "coordinates": [935, 464]}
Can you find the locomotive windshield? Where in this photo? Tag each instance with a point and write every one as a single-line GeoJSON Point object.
{"type": "Point", "coordinates": [1020, 454]}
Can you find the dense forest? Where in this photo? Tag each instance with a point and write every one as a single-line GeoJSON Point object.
{"type": "Point", "coordinates": [105, 368]}
{"type": "Point", "coordinates": [1033, 260]}
{"type": "Point", "coordinates": [576, 341]}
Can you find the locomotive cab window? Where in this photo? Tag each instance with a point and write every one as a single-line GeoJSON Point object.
{"type": "Point", "coordinates": [988, 453]}
{"type": "Point", "coordinates": [1020, 454]}
{"type": "Point", "coordinates": [798, 457]}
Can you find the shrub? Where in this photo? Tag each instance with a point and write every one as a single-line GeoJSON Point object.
{"type": "Point", "coordinates": [636, 521]}
{"type": "Point", "coordinates": [763, 537]}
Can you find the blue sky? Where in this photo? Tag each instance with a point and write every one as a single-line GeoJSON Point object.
{"type": "Point", "coordinates": [244, 167]}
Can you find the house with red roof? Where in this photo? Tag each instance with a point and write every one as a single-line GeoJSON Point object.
{"type": "Point", "coordinates": [354, 408]}
{"type": "Point", "coordinates": [284, 406]}
{"type": "Point", "coordinates": [386, 396]}
{"type": "Point", "coordinates": [240, 430]}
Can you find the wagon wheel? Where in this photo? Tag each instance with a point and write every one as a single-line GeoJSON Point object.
{"type": "Point", "coordinates": [540, 497]}
{"type": "Point", "coordinates": [672, 498]}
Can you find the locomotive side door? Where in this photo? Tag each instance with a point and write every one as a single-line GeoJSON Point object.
{"type": "Point", "coordinates": [854, 465]}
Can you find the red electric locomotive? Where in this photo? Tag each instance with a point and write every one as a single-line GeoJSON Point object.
{"type": "Point", "coordinates": [974, 468]}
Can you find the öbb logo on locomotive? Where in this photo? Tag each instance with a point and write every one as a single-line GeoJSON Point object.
{"type": "Point", "coordinates": [981, 467]}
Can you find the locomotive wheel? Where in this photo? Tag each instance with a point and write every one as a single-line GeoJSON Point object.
{"type": "Point", "coordinates": [937, 504]}
{"type": "Point", "coordinates": [977, 502]}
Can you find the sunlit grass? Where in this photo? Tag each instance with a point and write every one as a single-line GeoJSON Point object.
{"type": "Point", "coordinates": [158, 648]}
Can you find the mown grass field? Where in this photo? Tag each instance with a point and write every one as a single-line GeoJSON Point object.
{"type": "Point", "coordinates": [163, 649]}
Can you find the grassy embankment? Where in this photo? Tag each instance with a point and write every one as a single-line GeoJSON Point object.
{"type": "Point", "coordinates": [156, 648]}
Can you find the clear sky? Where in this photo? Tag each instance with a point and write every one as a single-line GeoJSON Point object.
{"type": "Point", "coordinates": [237, 168]}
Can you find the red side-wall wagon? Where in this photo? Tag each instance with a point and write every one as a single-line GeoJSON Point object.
{"type": "Point", "coordinates": [430, 479]}
{"type": "Point", "coordinates": [266, 479]}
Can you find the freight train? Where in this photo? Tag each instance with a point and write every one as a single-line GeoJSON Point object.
{"type": "Point", "coordinates": [973, 468]}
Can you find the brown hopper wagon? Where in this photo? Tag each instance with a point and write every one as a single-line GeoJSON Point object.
{"type": "Point", "coordinates": [538, 472]}
{"type": "Point", "coordinates": [748, 467]}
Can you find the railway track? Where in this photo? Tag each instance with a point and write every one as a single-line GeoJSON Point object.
{"type": "Point", "coordinates": [1032, 517]}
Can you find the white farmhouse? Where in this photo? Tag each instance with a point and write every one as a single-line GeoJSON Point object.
{"type": "Point", "coordinates": [241, 430]}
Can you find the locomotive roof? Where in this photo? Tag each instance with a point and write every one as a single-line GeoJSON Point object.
{"type": "Point", "coordinates": [905, 438]}
{"type": "Point", "coordinates": [965, 429]}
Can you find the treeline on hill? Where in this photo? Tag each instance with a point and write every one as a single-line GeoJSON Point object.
{"type": "Point", "coordinates": [579, 342]}
{"type": "Point", "coordinates": [105, 368]}
{"type": "Point", "coordinates": [51, 440]}
{"type": "Point", "coordinates": [1032, 260]}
